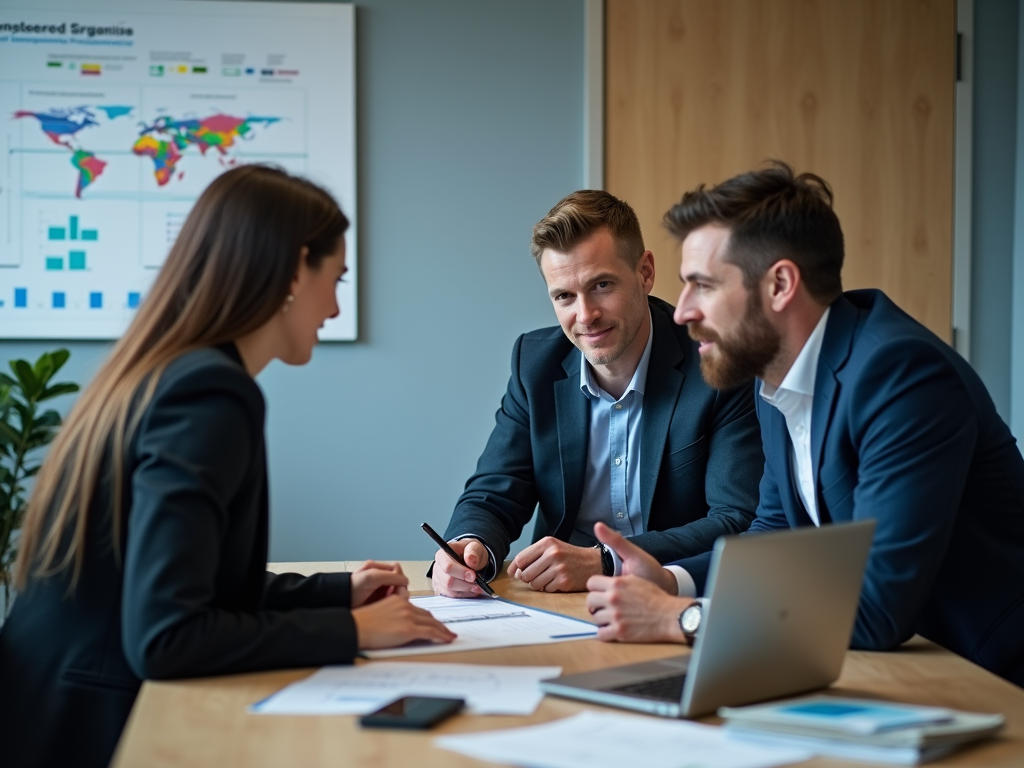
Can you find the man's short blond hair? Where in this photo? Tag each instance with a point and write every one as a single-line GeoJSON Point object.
{"type": "Point", "coordinates": [581, 214]}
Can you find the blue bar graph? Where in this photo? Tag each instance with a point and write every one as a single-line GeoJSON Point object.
{"type": "Point", "coordinates": [58, 299]}
{"type": "Point", "coordinates": [72, 232]}
{"type": "Point", "coordinates": [133, 300]}
{"type": "Point", "coordinates": [21, 297]}
{"type": "Point", "coordinates": [95, 300]}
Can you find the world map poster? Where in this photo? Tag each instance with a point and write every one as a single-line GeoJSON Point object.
{"type": "Point", "coordinates": [115, 116]}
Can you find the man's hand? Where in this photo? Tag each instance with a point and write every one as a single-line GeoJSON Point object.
{"type": "Point", "coordinates": [395, 621]}
{"type": "Point", "coordinates": [630, 609]}
{"type": "Point", "coordinates": [635, 562]}
{"type": "Point", "coordinates": [552, 565]}
{"type": "Point", "coordinates": [373, 581]}
{"type": "Point", "coordinates": [453, 580]}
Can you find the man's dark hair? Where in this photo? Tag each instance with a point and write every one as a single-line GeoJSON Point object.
{"type": "Point", "coordinates": [771, 214]}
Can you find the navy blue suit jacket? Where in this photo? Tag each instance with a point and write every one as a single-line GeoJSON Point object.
{"type": "Point", "coordinates": [700, 457]}
{"type": "Point", "coordinates": [903, 431]}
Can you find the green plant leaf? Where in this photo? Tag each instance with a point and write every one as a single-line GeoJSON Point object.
{"type": "Point", "coordinates": [26, 413]}
{"type": "Point", "coordinates": [47, 419]}
{"type": "Point", "coordinates": [27, 379]}
{"type": "Point", "coordinates": [59, 357]}
{"type": "Point", "coordinates": [64, 388]}
{"type": "Point", "coordinates": [8, 434]}
{"type": "Point", "coordinates": [43, 368]}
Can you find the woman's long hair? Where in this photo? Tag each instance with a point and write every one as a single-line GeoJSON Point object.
{"type": "Point", "coordinates": [227, 274]}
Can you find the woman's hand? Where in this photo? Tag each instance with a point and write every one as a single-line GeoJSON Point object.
{"type": "Point", "coordinates": [394, 621]}
{"type": "Point", "coordinates": [373, 581]}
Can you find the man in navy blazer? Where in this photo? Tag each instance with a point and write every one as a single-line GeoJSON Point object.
{"type": "Point", "coordinates": [864, 414]}
{"type": "Point", "coordinates": [606, 418]}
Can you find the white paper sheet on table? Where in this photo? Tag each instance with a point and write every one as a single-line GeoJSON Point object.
{"type": "Point", "coordinates": [488, 690]}
{"type": "Point", "coordinates": [488, 623]}
{"type": "Point", "coordinates": [600, 740]}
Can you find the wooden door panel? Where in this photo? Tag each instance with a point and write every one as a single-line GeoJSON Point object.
{"type": "Point", "coordinates": [861, 93]}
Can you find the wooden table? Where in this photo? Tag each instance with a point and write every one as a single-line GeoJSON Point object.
{"type": "Point", "coordinates": [197, 723]}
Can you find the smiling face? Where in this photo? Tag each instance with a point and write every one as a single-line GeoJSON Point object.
{"type": "Point", "coordinates": [737, 341]}
{"type": "Point", "coordinates": [315, 300]}
{"type": "Point", "coordinates": [599, 299]}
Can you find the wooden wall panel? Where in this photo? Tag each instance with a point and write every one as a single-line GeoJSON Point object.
{"type": "Point", "coordinates": [861, 93]}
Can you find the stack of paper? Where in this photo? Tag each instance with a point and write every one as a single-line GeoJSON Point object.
{"type": "Point", "coordinates": [860, 729]}
{"type": "Point", "coordinates": [600, 740]}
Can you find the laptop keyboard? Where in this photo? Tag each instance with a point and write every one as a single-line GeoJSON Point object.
{"type": "Point", "coordinates": [660, 688]}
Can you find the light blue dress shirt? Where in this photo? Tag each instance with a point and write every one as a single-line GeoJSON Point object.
{"type": "Point", "coordinates": [611, 485]}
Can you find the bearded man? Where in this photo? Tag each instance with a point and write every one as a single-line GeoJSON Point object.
{"type": "Point", "coordinates": [864, 413]}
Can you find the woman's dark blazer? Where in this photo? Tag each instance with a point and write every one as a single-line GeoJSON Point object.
{"type": "Point", "coordinates": [190, 595]}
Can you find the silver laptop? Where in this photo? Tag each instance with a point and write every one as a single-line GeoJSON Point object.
{"type": "Point", "coordinates": [778, 622]}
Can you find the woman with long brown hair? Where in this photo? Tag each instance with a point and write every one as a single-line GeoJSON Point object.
{"type": "Point", "coordinates": [144, 548]}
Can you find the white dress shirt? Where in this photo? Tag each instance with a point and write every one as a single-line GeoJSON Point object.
{"type": "Point", "coordinates": [794, 398]}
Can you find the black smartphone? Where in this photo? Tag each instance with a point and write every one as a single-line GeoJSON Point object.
{"type": "Point", "coordinates": [412, 712]}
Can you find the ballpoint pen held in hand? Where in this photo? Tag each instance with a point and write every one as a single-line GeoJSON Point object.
{"type": "Point", "coordinates": [452, 554]}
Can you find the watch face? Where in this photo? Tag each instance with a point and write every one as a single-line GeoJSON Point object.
{"type": "Point", "coordinates": [690, 620]}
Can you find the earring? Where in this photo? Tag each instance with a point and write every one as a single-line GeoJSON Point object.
{"type": "Point", "coordinates": [288, 302]}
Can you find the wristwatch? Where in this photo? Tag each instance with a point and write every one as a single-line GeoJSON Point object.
{"type": "Point", "coordinates": [690, 619]}
{"type": "Point", "coordinates": [607, 563]}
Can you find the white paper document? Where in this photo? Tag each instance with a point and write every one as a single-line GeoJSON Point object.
{"type": "Point", "coordinates": [600, 740]}
{"type": "Point", "coordinates": [488, 623]}
{"type": "Point", "coordinates": [488, 690]}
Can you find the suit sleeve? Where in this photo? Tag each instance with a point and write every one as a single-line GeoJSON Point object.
{"type": "Point", "coordinates": [735, 462]}
{"type": "Point", "coordinates": [285, 591]}
{"type": "Point", "coordinates": [913, 427]}
{"type": "Point", "coordinates": [500, 497]}
{"type": "Point", "coordinates": [769, 517]}
{"type": "Point", "coordinates": [194, 449]}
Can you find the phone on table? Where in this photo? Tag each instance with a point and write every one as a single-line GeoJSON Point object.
{"type": "Point", "coordinates": [412, 712]}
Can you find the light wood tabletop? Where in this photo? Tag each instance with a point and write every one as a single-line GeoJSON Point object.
{"type": "Point", "coordinates": [204, 722]}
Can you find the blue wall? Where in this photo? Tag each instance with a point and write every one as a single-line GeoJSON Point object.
{"type": "Point", "coordinates": [470, 127]}
{"type": "Point", "coordinates": [992, 227]}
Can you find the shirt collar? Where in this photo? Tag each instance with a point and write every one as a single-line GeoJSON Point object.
{"type": "Point", "coordinates": [800, 378]}
{"type": "Point", "coordinates": [590, 387]}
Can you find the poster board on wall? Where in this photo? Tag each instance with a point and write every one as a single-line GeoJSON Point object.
{"type": "Point", "coordinates": [115, 115]}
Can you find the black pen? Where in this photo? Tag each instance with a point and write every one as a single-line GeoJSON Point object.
{"type": "Point", "coordinates": [451, 553]}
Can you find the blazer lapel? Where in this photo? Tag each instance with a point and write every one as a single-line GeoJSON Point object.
{"type": "Point", "coordinates": [835, 349]}
{"type": "Point", "coordinates": [572, 414]}
{"type": "Point", "coordinates": [661, 393]}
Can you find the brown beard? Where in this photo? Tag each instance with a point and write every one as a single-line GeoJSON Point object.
{"type": "Point", "coordinates": [745, 354]}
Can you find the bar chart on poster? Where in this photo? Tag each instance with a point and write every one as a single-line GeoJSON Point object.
{"type": "Point", "coordinates": [116, 114]}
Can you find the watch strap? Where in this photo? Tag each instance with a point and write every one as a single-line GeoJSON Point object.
{"type": "Point", "coordinates": [607, 561]}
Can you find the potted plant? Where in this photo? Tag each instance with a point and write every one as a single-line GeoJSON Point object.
{"type": "Point", "coordinates": [24, 430]}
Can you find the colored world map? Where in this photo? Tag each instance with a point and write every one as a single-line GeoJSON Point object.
{"type": "Point", "coordinates": [165, 141]}
{"type": "Point", "coordinates": [62, 127]}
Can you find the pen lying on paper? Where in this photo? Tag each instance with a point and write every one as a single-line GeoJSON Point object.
{"type": "Point", "coordinates": [482, 617]}
{"type": "Point", "coordinates": [454, 556]}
